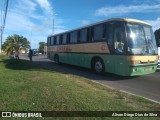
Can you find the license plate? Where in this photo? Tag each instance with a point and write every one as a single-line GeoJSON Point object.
{"type": "Point", "coordinates": [147, 68]}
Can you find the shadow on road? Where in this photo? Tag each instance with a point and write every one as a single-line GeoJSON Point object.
{"type": "Point", "coordinates": [46, 64]}
{"type": "Point", "coordinates": [19, 64]}
{"type": "Point", "coordinates": [79, 71]}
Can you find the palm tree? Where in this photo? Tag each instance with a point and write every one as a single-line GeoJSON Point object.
{"type": "Point", "coordinates": [15, 43]}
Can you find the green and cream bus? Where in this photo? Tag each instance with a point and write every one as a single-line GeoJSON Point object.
{"type": "Point", "coordinates": [121, 46]}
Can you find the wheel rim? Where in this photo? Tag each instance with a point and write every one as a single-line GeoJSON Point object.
{"type": "Point", "coordinates": [98, 66]}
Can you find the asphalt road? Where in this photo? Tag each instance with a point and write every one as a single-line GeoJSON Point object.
{"type": "Point", "coordinates": [147, 86]}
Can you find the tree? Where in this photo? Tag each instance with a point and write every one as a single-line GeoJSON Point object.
{"type": "Point", "coordinates": [15, 43]}
{"type": "Point", "coordinates": [157, 37]}
{"type": "Point", "coordinates": [41, 47]}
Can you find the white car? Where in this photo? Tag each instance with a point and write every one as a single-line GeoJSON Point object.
{"type": "Point", "coordinates": [158, 64]}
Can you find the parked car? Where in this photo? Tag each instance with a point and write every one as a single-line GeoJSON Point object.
{"type": "Point", "coordinates": [34, 52]}
{"type": "Point", "coordinates": [158, 67]}
{"type": "Point", "coordinates": [158, 64]}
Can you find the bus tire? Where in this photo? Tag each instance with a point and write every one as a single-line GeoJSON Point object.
{"type": "Point", "coordinates": [98, 66]}
{"type": "Point", "coordinates": [56, 59]}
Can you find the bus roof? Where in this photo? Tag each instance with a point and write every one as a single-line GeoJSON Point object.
{"type": "Point", "coordinates": [135, 20]}
{"type": "Point", "coordinates": [112, 19]}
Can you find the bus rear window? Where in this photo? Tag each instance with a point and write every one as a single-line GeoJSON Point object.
{"type": "Point", "coordinates": [49, 41]}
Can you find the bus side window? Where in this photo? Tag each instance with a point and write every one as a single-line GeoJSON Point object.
{"type": "Point", "coordinates": [64, 39]}
{"type": "Point", "coordinates": [98, 32]}
{"type": "Point", "coordinates": [52, 40]}
{"type": "Point", "coordinates": [83, 35]}
{"type": "Point", "coordinates": [48, 41]}
{"type": "Point", "coordinates": [74, 37]}
{"type": "Point", "coordinates": [60, 39]}
{"type": "Point", "coordinates": [90, 34]}
{"type": "Point", "coordinates": [68, 38]}
{"type": "Point", "coordinates": [78, 36]}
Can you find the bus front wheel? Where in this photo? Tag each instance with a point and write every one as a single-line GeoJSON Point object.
{"type": "Point", "coordinates": [98, 65]}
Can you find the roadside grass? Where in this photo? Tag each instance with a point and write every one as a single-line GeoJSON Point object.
{"type": "Point", "coordinates": [29, 87]}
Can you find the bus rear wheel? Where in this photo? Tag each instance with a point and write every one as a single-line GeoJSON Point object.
{"type": "Point", "coordinates": [98, 66]}
{"type": "Point", "coordinates": [56, 59]}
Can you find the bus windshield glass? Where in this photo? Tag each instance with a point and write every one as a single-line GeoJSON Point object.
{"type": "Point", "coordinates": [141, 39]}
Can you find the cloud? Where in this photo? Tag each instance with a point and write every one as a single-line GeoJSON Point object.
{"type": "Point", "coordinates": [26, 5]}
{"type": "Point", "coordinates": [45, 5]}
{"type": "Point", "coordinates": [122, 9]}
{"type": "Point", "coordinates": [155, 23]}
{"type": "Point", "coordinates": [21, 7]}
{"type": "Point", "coordinates": [145, 1]}
{"type": "Point", "coordinates": [17, 22]}
{"type": "Point", "coordinates": [32, 16]}
{"type": "Point", "coordinates": [85, 22]}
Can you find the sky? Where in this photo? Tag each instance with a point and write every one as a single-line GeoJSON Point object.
{"type": "Point", "coordinates": [33, 19]}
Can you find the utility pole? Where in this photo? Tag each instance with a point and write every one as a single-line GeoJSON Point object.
{"type": "Point", "coordinates": [53, 24]}
{"type": "Point", "coordinates": [1, 41]}
{"type": "Point", "coordinates": [31, 38]}
{"type": "Point", "coordinates": [1, 34]}
{"type": "Point", "coordinates": [4, 21]}
{"type": "Point", "coordinates": [54, 16]}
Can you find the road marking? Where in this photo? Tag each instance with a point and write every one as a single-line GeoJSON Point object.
{"type": "Point", "coordinates": [126, 92]}
{"type": "Point", "coordinates": [140, 96]}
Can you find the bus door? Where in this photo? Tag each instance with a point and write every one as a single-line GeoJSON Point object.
{"type": "Point", "coordinates": [110, 66]}
{"type": "Point", "coordinates": [119, 47]}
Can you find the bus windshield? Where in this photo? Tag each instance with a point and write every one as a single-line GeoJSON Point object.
{"type": "Point", "coordinates": [141, 39]}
